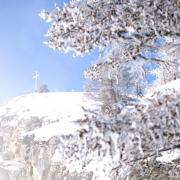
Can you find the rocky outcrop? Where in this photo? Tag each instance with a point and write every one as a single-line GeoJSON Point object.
{"type": "Point", "coordinates": [22, 157]}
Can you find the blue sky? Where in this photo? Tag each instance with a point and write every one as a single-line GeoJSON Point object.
{"type": "Point", "coordinates": [22, 52]}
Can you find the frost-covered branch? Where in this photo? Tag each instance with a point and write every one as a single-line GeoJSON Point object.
{"type": "Point", "coordinates": [84, 25]}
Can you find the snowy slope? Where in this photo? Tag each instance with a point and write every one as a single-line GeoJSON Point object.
{"type": "Point", "coordinates": [66, 105]}
{"type": "Point", "coordinates": [173, 85]}
{"type": "Point", "coordinates": [58, 110]}
{"type": "Point", "coordinates": [166, 88]}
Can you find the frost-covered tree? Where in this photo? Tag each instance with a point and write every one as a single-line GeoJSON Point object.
{"type": "Point", "coordinates": [43, 88]}
{"type": "Point", "coordinates": [131, 35]}
{"type": "Point", "coordinates": [83, 25]}
{"type": "Point", "coordinates": [132, 29]}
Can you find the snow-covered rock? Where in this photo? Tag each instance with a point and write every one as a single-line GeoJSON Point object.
{"type": "Point", "coordinates": [30, 127]}
{"type": "Point", "coordinates": [53, 136]}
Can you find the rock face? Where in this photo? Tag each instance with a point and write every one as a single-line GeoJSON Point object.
{"type": "Point", "coordinates": [31, 129]}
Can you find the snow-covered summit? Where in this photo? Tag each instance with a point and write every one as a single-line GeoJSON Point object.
{"type": "Point", "coordinates": [57, 112]}
{"type": "Point", "coordinates": [66, 105]}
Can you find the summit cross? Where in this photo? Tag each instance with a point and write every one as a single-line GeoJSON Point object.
{"type": "Point", "coordinates": [36, 76]}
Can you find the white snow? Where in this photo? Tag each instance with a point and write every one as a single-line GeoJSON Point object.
{"type": "Point", "coordinates": [56, 129]}
{"type": "Point", "coordinates": [63, 107]}
{"type": "Point", "coordinates": [169, 156]}
{"type": "Point", "coordinates": [166, 88]}
{"type": "Point", "coordinates": [173, 85]}
{"type": "Point", "coordinates": [57, 157]}
{"type": "Point", "coordinates": [11, 165]}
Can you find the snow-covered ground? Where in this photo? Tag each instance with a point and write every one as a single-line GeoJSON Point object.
{"type": "Point", "coordinates": [166, 88]}
{"type": "Point", "coordinates": [59, 111]}
{"type": "Point", "coordinates": [173, 85]}
{"type": "Point", "coordinates": [169, 156]}
{"type": "Point", "coordinates": [65, 105]}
